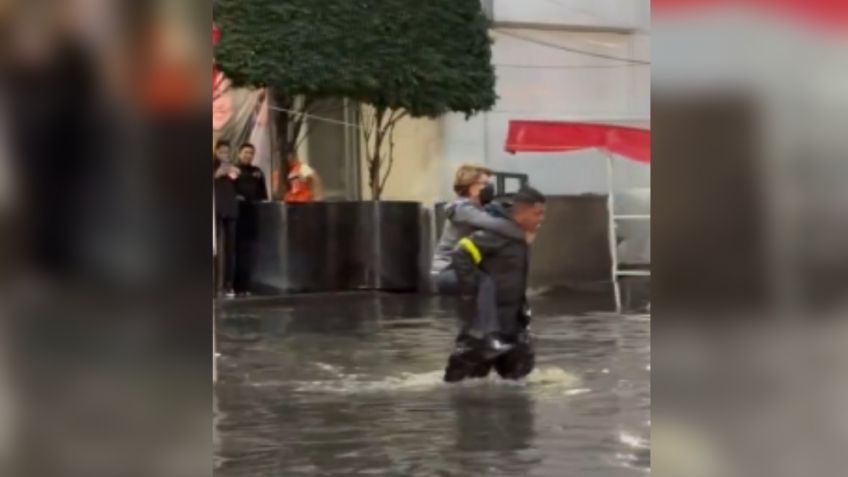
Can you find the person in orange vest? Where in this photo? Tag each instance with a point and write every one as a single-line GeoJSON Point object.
{"type": "Point", "coordinates": [304, 185]}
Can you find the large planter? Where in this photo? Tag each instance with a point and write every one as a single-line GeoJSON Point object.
{"type": "Point", "coordinates": [336, 246]}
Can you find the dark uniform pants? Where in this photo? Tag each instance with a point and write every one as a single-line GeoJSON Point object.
{"type": "Point", "coordinates": [227, 233]}
{"type": "Point", "coordinates": [469, 360]}
{"type": "Point", "coordinates": [480, 319]}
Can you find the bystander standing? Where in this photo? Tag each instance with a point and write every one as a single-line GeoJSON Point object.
{"type": "Point", "coordinates": [226, 214]}
{"type": "Point", "coordinates": [250, 188]}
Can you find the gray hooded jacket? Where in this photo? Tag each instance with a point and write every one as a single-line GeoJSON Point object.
{"type": "Point", "coordinates": [464, 217]}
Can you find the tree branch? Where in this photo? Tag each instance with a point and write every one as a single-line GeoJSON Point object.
{"type": "Point", "coordinates": [388, 130]}
{"type": "Point", "coordinates": [377, 163]}
{"type": "Point", "coordinates": [391, 156]}
{"type": "Point", "coordinates": [394, 119]}
{"type": "Point", "coordinates": [367, 129]}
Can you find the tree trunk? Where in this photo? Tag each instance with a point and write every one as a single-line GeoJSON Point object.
{"type": "Point", "coordinates": [376, 160]}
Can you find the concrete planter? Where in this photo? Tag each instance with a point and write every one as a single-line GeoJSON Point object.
{"type": "Point", "coordinates": [336, 246]}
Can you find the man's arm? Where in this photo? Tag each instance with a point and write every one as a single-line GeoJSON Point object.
{"type": "Point", "coordinates": [480, 219]}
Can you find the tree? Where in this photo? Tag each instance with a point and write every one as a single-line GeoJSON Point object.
{"type": "Point", "coordinates": [426, 59]}
{"type": "Point", "coordinates": [398, 58]}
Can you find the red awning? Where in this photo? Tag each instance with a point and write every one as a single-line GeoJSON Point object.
{"type": "Point", "coordinates": [555, 136]}
{"type": "Point", "coordinates": [826, 14]}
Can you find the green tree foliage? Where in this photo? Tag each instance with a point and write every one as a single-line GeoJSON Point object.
{"type": "Point", "coordinates": [419, 58]}
{"type": "Point", "coordinates": [428, 58]}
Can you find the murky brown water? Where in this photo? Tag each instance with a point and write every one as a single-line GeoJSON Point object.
{"type": "Point", "coordinates": [351, 385]}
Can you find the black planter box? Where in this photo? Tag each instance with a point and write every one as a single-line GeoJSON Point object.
{"type": "Point", "coordinates": [334, 246]}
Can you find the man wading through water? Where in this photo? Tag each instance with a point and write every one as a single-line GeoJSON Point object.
{"type": "Point", "coordinates": [464, 216]}
{"type": "Point", "coordinates": [505, 260]}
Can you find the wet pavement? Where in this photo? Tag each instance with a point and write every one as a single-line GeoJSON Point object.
{"type": "Point", "coordinates": [345, 385]}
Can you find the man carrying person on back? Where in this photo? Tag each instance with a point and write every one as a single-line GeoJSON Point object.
{"type": "Point", "coordinates": [463, 216]}
{"type": "Point", "coordinates": [506, 260]}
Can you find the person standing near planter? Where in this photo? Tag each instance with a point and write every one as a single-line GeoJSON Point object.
{"type": "Point", "coordinates": [464, 216]}
{"type": "Point", "coordinates": [304, 185]}
{"type": "Point", "coordinates": [250, 185]}
{"type": "Point", "coordinates": [226, 212]}
{"type": "Point", "coordinates": [250, 189]}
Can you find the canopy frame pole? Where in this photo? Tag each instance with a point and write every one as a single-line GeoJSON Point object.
{"type": "Point", "coordinates": [611, 229]}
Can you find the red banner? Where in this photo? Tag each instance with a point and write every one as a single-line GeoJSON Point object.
{"type": "Point", "coordinates": [826, 14]}
{"type": "Point", "coordinates": [552, 136]}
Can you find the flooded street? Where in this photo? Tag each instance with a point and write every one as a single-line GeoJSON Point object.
{"type": "Point", "coordinates": [351, 385]}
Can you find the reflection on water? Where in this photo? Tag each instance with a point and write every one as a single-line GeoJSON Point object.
{"type": "Point", "coordinates": [351, 385]}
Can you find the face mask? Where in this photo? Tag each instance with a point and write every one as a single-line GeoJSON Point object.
{"type": "Point", "coordinates": [487, 194]}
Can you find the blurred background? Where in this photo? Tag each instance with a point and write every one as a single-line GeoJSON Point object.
{"type": "Point", "coordinates": [104, 295]}
{"type": "Point", "coordinates": [749, 293]}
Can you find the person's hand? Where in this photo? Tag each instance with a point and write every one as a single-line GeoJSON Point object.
{"type": "Point", "coordinates": [234, 172]}
{"type": "Point", "coordinates": [530, 237]}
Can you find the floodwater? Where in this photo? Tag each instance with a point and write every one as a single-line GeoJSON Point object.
{"type": "Point", "coordinates": [343, 385]}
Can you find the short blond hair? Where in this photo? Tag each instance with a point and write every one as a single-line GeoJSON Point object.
{"type": "Point", "coordinates": [466, 176]}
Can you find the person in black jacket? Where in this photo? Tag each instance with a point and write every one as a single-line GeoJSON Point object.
{"type": "Point", "coordinates": [250, 184]}
{"type": "Point", "coordinates": [226, 212]}
{"type": "Point", "coordinates": [250, 189]}
{"type": "Point", "coordinates": [507, 261]}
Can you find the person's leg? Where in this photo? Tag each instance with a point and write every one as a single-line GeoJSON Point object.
{"type": "Point", "coordinates": [485, 321]}
{"type": "Point", "coordinates": [478, 313]}
{"type": "Point", "coordinates": [484, 324]}
{"type": "Point", "coordinates": [247, 255]}
{"type": "Point", "coordinates": [229, 226]}
{"type": "Point", "coordinates": [480, 317]}
{"type": "Point", "coordinates": [243, 249]}
{"type": "Point", "coordinates": [246, 238]}
{"type": "Point", "coordinates": [519, 361]}
{"type": "Point", "coordinates": [466, 362]}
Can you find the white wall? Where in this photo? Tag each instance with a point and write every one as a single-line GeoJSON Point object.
{"type": "Point", "coordinates": [417, 168]}
{"type": "Point", "coordinates": [540, 82]}
{"type": "Point", "coordinates": [795, 78]}
{"type": "Point", "coordinates": [573, 14]}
